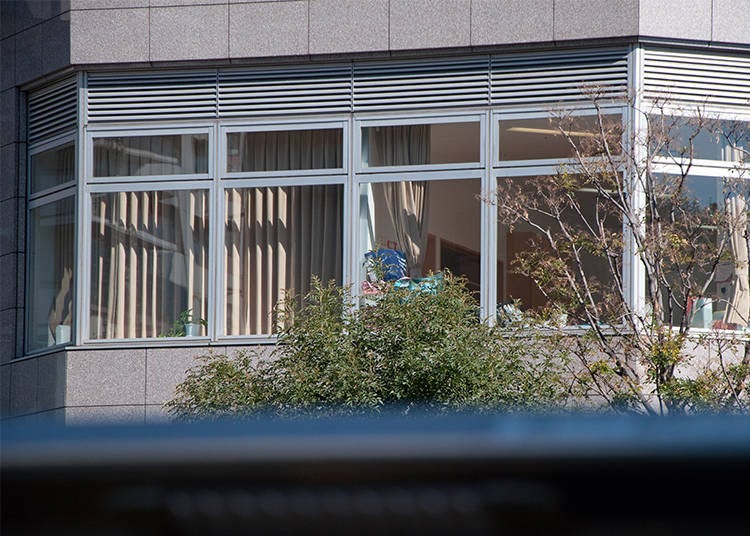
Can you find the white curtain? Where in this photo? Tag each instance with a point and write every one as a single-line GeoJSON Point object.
{"type": "Point", "coordinates": [276, 239]}
{"type": "Point", "coordinates": [738, 308]}
{"type": "Point", "coordinates": [406, 201]}
{"type": "Point", "coordinates": [149, 261]}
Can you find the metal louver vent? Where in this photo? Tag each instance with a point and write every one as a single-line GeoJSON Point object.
{"type": "Point", "coordinates": [53, 110]}
{"type": "Point", "coordinates": [162, 95]}
{"type": "Point", "coordinates": [322, 89]}
{"type": "Point", "coordinates": [697, 77]}
{"type": "Point", "coordinates": [535, 78]}
{"type": "Point", "coordinates": [426, 84]}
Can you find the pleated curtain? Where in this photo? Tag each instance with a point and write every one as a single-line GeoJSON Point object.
{"type": "Point", "coordinates": [149, 261]}
{"type": "Point", "coordinates": [277, 238]}
{"type": "Point", "coordinates": [738, 308]}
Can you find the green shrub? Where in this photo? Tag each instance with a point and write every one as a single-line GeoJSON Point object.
{"type": "Point", "coordinates": [402, 348]}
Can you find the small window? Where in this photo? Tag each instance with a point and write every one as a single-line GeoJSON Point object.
{"type": "Point", "coordinates": [685, 138]}
{"type": "Point", "coordinates": [285, 150]}
{"type": "Point", "coordinates": [53, 167]}
{"type": "Point", "coordinates": [141, 156]}
{"type": "Point", "coordinates": [421, 144]}
{"type": "Point", "coordinates": [549, 137]}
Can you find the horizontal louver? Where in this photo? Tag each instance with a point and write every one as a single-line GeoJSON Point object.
{"type": "Point", "coordinates": [569, 76]}
{"type": "Point", "coordinates": [427, 84]}
{"type": "Point", "coordinates": [161, 95]}
{"type": "Point", "coordinates": [697, 77]}
{"type": "Point", "coordinates": [53, 110]}
{"type": "Point", "coordinates": [325, 89]}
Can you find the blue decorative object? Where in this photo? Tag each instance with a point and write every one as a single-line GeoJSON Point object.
{"type": "Point", "coordinates": [393, 262]}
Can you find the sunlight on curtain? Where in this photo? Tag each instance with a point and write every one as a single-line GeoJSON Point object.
{"type": "Point", "coordinates": [149, 253]}
{"type": "Point", "coordinates": [406, 201]}
{"type": "Point", "coordinates": [738, 308]}
{"type": "Point", "coordinates": [276, 239]}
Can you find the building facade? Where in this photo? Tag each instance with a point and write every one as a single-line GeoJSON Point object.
{"type": "Point", "coordinates": [167, 161]}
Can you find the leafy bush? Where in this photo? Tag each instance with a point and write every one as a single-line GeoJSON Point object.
{"type": "Point", "coordinates": [402, 348]}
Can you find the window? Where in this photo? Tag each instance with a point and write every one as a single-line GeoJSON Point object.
{"type": "Point", "coordinates": [52, 167]}
{"type": "Point", "coordinates": [420, 144]}
{"type": "Point", "coordinates": [153, 155]}
{"type": "Point", "coordinates": [284, 150]}
{"type": "Point", "coordinates": [149, 262]}
{"type": "Point", "coordinates": [51, 273]}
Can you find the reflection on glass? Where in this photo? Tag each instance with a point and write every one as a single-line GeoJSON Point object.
{"type": "Point", "coordinates": [284, 150]}
{"type": "Point", "coordinates": [550, 137]}
{"type": "Point", "coordinates": [524, 242]}
{"type": "Point", "coordinates": [53, 167]}
{"type": "Point", "coordinates": [431, 225]}
{"type": "Point", "coordinates": [50, 298]}
{"type": "Point", "coordinates": [149, 263]}
{"type": "Point", "coordinates": [715, 212]}
{"type": "Point", "coordinates": [684, 138]}
{"type": "Point", "coordinates": [415, 145]}
{"type": "Point", "coordinates": [139, 156]}
{"type": "Point", "coordinates": [277, 239]}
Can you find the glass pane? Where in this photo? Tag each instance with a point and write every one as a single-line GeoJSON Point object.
{"type": "Point", "coordinates": [149, 264]}
{"type": "Point", "coordinates": [712, 214]}
{"type": "Point", "coordinates": [132, 156]}
{"type": "Point", "coordinates": [276, 240]}
{"type": "Point", "coordinates": [543, 137]}
{"type": "Point", "coordinates": [50, 284]}
{"type": "Point", "coordinates": [683, 138]}
{"type": "Point", "coordinates": [417, 228]}
{"type": "Point", "coordinates": [415, 145]}
{"type": "Point", "coordinates": [524, 244]}
{"type": "Point", "coordinates": [285, 150]}
{"type": "Point", "coordinates": [53, 168]}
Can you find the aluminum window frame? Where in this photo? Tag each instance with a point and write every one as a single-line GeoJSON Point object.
{"type": "Point", "coordinates": [153, 130]}
{"type": "Point", "coordinates": [48, 145]}
{"type": "Point", "coordinates": [84, 296]}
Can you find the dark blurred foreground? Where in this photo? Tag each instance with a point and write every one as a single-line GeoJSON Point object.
{"type": "Point", "coordinates": [465, 474]}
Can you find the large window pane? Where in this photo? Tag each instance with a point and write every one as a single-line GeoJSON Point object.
{"type": "Point", "coordinates": [53, 167]}
{"type": "Point", "coordinates": [285, 150]}
{"type": "Point", "coordinates": [711, 214]}
{"type": "Point", "coordinates": [579, 223]}
{"type": "Point", "coordinates": [433, 225]}
{"type": "Point", "coordinates": [414, 145]}
{"type": "Point", "coordinates": [685, 138]}
{"type": "Point", "coordinates": [550, 137]}
{"type": "Point", "coordinates": [276, 240]}
{"type": "Point", "coordinates": [149, 263]}
{"type": "Point", "coordinates": [128, 156]}
{"type": "Point", "coordinates": [50, 284]}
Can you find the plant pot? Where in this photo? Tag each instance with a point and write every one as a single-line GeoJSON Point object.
{"type": "Point", "coordinates": [192, 329]}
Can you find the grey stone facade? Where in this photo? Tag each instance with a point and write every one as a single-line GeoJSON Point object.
{"type": "Point", "coordinates": [42, 39]}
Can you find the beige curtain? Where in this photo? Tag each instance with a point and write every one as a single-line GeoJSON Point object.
{"type": "Point", "coordinates": [406, 201]}
{"type": "Point", "coordinates": [289, 150]}
{"type": "Point", "coordinates": [149, 261]}
{"type": "Point", "coordinates": [738, 308]}
{"type": "Point", "coordinates": [276, 239]}
{"type": "Point", "coordinates": [142, 155]}
{"type": "Point", "coordinates": [61, 308]}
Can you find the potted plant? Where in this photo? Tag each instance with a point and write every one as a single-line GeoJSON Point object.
{"type": "Point", "coordinates": [191, 323]}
